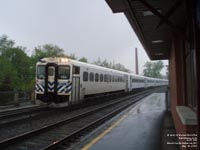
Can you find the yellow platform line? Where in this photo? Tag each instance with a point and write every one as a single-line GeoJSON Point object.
{"type": "Point", "coordinates": [95, 140]}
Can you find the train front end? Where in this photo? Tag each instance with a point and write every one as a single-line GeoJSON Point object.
{"type": "Point", "coordinates": [53, 81]}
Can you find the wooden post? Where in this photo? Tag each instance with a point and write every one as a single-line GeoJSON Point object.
{"type": "Point", "coordinates": [33, 97]}
{"type": "Point", "coordinates": [16, 98]}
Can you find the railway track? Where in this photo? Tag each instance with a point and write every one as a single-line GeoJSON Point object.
{"type": "Point", "coordinates": [61, 132]}
{"type": "Point", "coordinates": [15, 116]}
{"type": "Point", "coordinates": [10, 117]}
{"type": "Point", "coordinates": [17, 112]}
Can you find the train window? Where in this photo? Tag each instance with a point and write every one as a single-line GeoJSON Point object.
{"type": "Point", "coordinates": [113, 78]}
{"type": "Point", "coordinates": [134, 80]}
{"type": "Point", "coordinates": [63, 72]}
{"type": "Point", "coordinates": [101, 77]}
{"type": "Point", "coordinates": [76, 70]}
{"type": "Point", "coordinates": [85, 76]}
{"type": "Point", "coordinates": [118, 79]}
{"type": "Point", "coordinates": [109, 78]}
{"type": "Point", "coordinates": [105, 78]}
{"type": "Point", "coordinates": [50, 71]}
{"type": "Point", "coordinates": [41, 72]}
{"type": "Point", "coordinates": [96, 77]}
{"type": "Point", "coordinates": [91, 76]}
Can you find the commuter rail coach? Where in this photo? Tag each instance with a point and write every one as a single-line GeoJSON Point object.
{"type": "Point", "coordinates": [64, 82]}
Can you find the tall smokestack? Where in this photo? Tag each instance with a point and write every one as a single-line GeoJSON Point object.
{"type": "Point", "coordinates": [136, 62]}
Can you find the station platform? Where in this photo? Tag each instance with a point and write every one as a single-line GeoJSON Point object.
{"type": "Point", "coordinates": [139, 128]}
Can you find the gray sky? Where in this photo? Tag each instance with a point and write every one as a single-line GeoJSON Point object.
{"type": "Point", "coordinates": [87, 28]}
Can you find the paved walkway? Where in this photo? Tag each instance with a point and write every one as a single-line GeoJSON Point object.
{"type": "Point", "coordinates": [139, 129]}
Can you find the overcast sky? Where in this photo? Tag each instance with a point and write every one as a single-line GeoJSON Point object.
{"type": "Point", "coordinates": [87, 28]}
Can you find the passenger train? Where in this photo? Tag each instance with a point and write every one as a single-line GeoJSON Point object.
{"type": "Point", "coordinates": [64, 82]}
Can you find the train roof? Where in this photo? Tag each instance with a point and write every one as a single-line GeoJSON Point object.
{"type": "Point", "coordinates": [64, 60]}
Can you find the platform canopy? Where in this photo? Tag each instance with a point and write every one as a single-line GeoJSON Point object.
{"type": "Point", "coordinates": [154, 22]}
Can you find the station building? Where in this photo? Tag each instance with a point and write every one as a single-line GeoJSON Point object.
{"type": "Point", "coordinates": [170, 30]}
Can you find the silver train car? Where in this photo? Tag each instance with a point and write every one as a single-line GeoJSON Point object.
{"type": "Point", "coordinates": [63, 82]}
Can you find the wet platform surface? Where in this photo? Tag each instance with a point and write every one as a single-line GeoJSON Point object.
{"type": "Point", "coordinates": [138, 129]}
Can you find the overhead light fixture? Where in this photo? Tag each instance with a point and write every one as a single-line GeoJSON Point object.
{"type": "Point", "coordinates": [149, 13]}
{"type": "Point", "coordinates": [159, 54]}
{"type": "Point", "coordinates": [157, 41]}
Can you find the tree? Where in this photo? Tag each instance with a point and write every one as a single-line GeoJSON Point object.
{"type": "Point", "coordinates": [8, 76]}
{"type": "Point", "coordinates": [47, 50]}
{"type": "Point", "coordinates": [111, 65]}
{"type": "Point", "coordinates": [106, 64]}
{"type": "Point", "coordinates": [21, 63]}
{"type": "Point", "coordinates": [120, 67]}
{"type": "Point", "coordinates": [72, 56]}
{"type": "Point", "coordinates": [98, 62]}
{"type": "Point", "coordinates": [83, 59]}
{"type": "Point", "coordinates": [5, 43]}
{"type": "Point", "coordinates": [152, 69]}
{"type": "Point", "coordinates": [148, 71]}
{"type": "Point", "coordinates": [16, 67]}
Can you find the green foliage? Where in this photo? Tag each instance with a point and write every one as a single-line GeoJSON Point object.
{"type": "Point", "coordinates": [47, 50]}
{"type": "Point", "coordinates": [8, 75]}
{"type": "Point", "coordinates": [153, 69]}
{"type": "Point", "coordinates": [111, 65]}
{"type": "Point", "coordinates": [120, 67]}
{"type": "Point", "coordinates": [83, 59]}
{"type": "Point", "coordinates": [98, 62]}
{"type": "Point", "coordinates": [5, 43]}
{"type": "Point", "coordinates": [16, 67]}
{"type": "Point", "coordinates": [72, 56]}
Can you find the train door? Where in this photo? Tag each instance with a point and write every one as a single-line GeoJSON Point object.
{"type": "Point", "coordinates": [51, 80]}
{"type": "Point", "coordinates": [75, 97]}
{"type": "Point", "coordinates": [130, 83]}
{"type": "Point", "coordinates": [126, 83]}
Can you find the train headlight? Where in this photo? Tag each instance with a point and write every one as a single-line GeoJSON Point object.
{"type": "Point", "coordinates": [63, 60]}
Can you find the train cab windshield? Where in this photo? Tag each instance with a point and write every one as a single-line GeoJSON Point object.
{"type": "Point", "coordinates": [40, 71]}
{"type": "Point", "coordinates": [64, 72]}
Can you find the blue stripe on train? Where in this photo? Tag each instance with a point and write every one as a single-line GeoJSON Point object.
{"type": "Point", "coordinates": [51, 86]}
{"type": "Point", "coordinates": [39, 88]}
{"type": "Point", "coordinates": [63, 87]}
